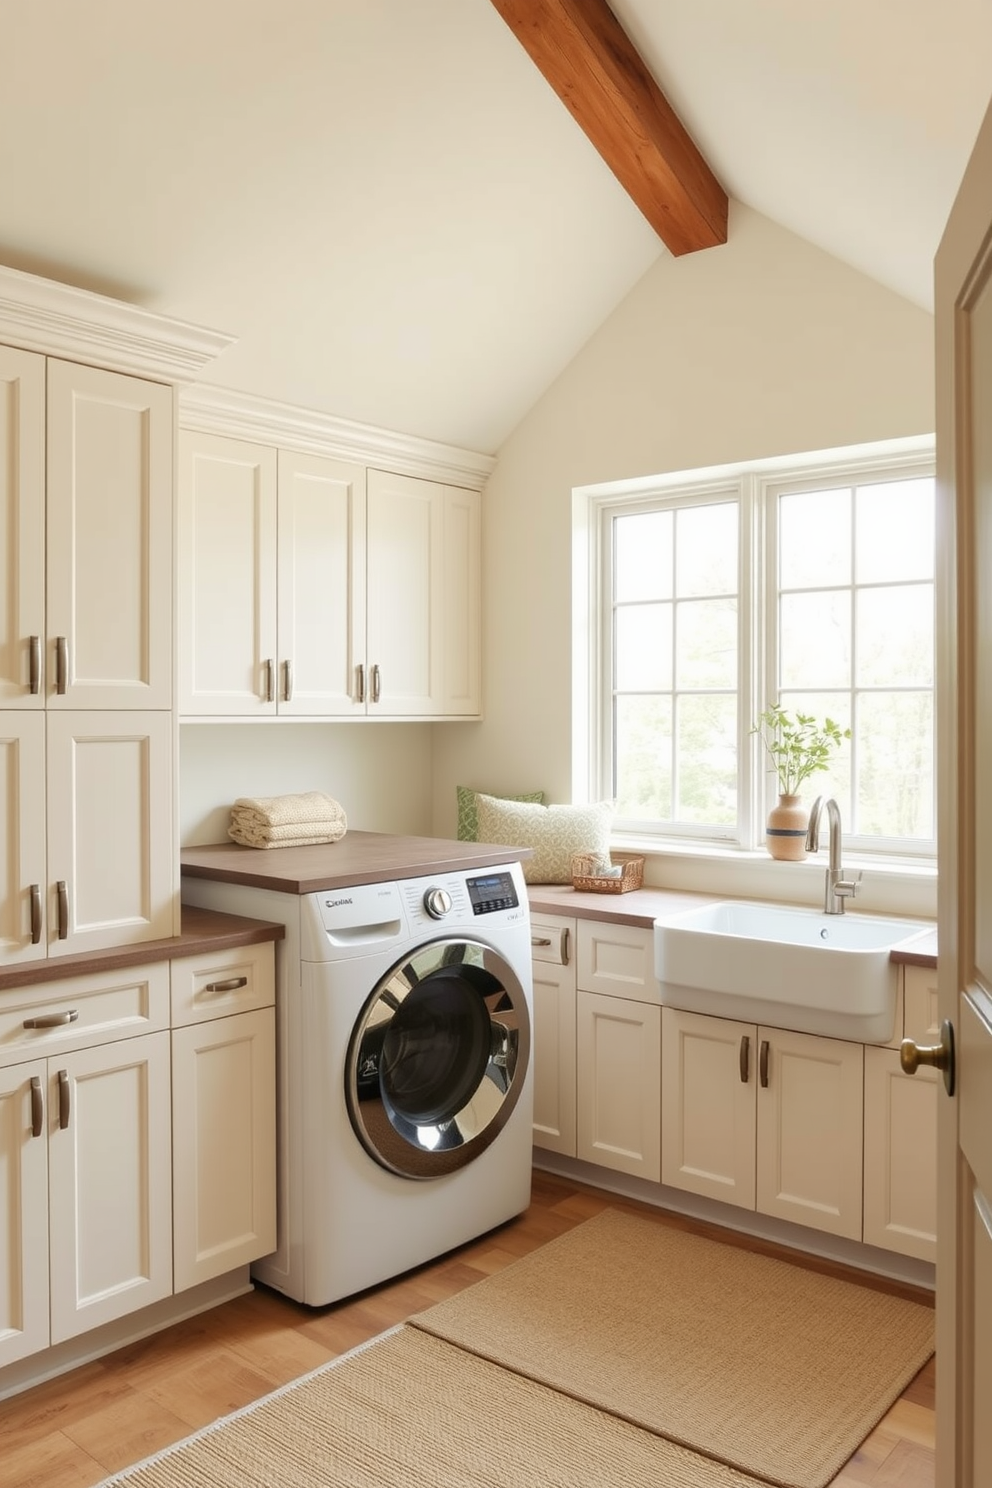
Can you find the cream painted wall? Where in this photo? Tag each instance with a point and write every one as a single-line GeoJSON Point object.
{"type": "Point", "coordinates": [761, 347]}
{"type": "Point", "coordinates": [380, 772]}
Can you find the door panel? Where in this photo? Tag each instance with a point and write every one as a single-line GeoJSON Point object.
{"type": "Point", "coordinates": [708, 1109]}
{"type": "Point", "coordinates": [22, 846]}
{"type": "Point", "coordinates": [23, 1216]}
{"type": "Point", "coordinates": [22, 525]}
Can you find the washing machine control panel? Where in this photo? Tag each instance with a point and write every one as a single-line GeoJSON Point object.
{"type": "Point", "coordinates": [491, 892]}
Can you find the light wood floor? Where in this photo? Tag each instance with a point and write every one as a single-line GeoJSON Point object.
{"type": "Point", "coordinates": [74, 1431]}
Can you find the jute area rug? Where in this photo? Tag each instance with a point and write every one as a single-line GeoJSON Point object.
{"type": "Point", "coordinates": [623, 1352]}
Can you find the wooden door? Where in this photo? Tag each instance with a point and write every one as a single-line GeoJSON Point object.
{"type": "Point", "coordinates": [708, 1080]}
{"type": "Point", "coordinates": [900, 1156]}
{"type": "Point", "coordinates": [964, 495]}
{"type": "Point", "coordinates": [110, 1182]}
{"type": "Point", "coordinates": [23, 1212]}
{"type": "Point", "coordinates": [227, 577]}
{"type": "Point", "coordinates": [110, 540]}
{"type": "Point", "coordinates": [405, 641]}
{"type": "Point", "coordinates": [109, 830]}
{"type": "Point", "coordinates": [619, 1084]}
{"type": "Point", "coordinates": [22, 529]}
{"type": "Point", "coordinates": [461, 603]}
{"type": "Point", "coordinates": [810, 1130]}
{"type": "Point", "coordinates": [23, 872]}
{"type": "Point", "coordinates": [224, 1144]}
{"type": "Point", "coordinates": [321, 585]}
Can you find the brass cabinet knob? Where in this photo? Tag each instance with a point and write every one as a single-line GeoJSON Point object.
{"type": "Point", "coordinates": [938, 1056]}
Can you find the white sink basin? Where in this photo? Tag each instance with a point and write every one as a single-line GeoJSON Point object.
{"type": "Point", "coordinates": [791, 968]}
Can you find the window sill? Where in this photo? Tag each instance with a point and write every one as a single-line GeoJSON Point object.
{"type": "Point", "coordinates": [888, 885]}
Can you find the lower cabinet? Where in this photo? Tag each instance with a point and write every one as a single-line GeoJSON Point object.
{"type": "Point", "coordinates": [764, 1118]}
{"type": "Point", "coordinates": [224, 1112]}
{"type": "Point", "coordinates": [817, 1131]}
{"type": "Point", "coordinates": [135, 1160]}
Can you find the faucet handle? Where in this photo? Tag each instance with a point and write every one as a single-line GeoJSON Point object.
{"type": "Point", "coordinates": [847, 888]}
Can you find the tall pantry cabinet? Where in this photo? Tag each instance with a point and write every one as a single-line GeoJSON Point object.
{"type": "Point", "coordinates": [85, 657]}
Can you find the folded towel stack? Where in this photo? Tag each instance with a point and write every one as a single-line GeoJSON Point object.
{"type": "Point", "coordinates": [287, 821]}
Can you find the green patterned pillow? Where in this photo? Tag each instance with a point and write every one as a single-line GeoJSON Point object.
{"type": "Point", "coordinates": [468, 820]}
{"type": "Point", "coordinates": [553, 833]}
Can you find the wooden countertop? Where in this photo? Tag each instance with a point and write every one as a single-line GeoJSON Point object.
{"type": "Point", "coordinates": [202, 930]}
{"type": "Point", "coordinates": [643, 906]}
{"type": "Point", "coordinates": [359, 857]}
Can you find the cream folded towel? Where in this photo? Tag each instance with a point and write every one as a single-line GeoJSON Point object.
{"type": "Point", "coordinates": [287, 821]}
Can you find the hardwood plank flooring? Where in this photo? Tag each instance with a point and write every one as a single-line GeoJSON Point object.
{"type": "Point", "coordinates": [73, 1431]}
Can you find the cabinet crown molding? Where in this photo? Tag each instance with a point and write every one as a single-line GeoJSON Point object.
{"type": "Point", "coordinates": [61, 320]}
{"type": "Point", "coordinates": [206, 409]}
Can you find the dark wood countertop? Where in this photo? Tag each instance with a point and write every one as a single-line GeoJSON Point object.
{"type": "Point", "coordinates": [202, 930]}
{"type": "Point", "coordinates": [359, 857]}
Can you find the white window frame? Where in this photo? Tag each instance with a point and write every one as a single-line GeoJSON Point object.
{"type": "Point", "coordinates": [756, 485]}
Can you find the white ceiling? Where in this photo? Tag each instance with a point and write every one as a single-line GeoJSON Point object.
{"type": "Point", "coordinates": [386, 204]}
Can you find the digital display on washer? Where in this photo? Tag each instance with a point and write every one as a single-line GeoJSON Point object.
{"type": "Point", "coordinates": [494, 891]}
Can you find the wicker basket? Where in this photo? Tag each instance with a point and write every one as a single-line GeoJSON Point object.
{"type": "Point", "coordinates": [631, 875]}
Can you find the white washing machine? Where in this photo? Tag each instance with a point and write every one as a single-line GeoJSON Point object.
{"type": "Point", "coordinates": [405, 1091]}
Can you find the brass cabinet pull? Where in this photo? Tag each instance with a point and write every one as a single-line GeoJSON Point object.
{"type": "Point", "coordinates": [763, 1053]}
{"type": "Point", "coordinates": [564, 946]}
{"type": "Point", "coordinates": [375, 682]}
{"type": "Point", "coordinates": [938, 1056]}
{"type": "Point", "coordinates": [62, 896]}
{"type": "Point", "coordinates": [268, 691]}
{"type": "Point", "coordinates": [360, 681]}
{"type": "Point", "coordinates": [745, 1058]}
{"type": "Point", "coordinates": [540, 940]}
{"type": "Point", "coordinates": [34, 664]}
{"type": "Point", "coordinates": [231, 985]}
{"type": "Point", "coordinates": [61, 664]}
{"type": "Point", "coordinates": [37, 1107]}
{"type": "Point", "coordinates": [52, 1020]}
{"type": "Point", "coordinates": [287, 681]}
{"type": "Point", "coordinates": [34, 893]}
{"type": "Point", "coordinates": [63, 1099]}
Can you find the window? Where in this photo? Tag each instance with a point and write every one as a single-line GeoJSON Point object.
{"type": "Point", "coordinates": [720, 593]}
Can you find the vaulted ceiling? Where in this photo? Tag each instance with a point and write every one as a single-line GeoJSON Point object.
{"type": "Point", "coordinates": [393, 211]}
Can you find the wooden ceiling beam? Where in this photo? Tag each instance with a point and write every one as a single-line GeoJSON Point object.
{"type": "Point", "coordinates": [591, 63]}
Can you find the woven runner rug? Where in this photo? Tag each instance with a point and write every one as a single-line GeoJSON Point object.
{"type": "Point", "coordinates": [624, 1352]}
{"type": "Point", "coordinates": [774, 1369]}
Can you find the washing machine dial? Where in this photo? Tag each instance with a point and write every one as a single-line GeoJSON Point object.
{"type": "Point", "coordinates": [437, 903]}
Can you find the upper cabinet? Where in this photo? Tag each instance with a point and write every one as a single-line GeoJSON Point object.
{"type": "Point", "coordinates": [85, 536]}
{"type": "Point", "coordinates": [312, 587]}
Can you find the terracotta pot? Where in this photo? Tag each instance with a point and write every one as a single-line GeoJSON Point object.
{"type": "Point", "coordinates": [786, 829]}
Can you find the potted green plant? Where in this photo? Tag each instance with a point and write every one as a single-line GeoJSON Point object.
{"type": "Point", "coordinates": [797, 746]}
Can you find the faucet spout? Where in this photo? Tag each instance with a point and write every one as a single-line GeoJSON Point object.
{"type": "Point", "coordinates": [837, 888]}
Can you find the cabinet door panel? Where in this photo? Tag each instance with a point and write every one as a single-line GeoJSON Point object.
{"type": "Point", "coordinates": [461, 603]}
{"type": "Point", "coordinates": [619, 1082]}
{"type": "Point", "coordinates": [404, 557]}
{"type": "Point", "coordinates": [22, 813]}
{"type": "Point", "coordinates": [110, 1175]}
{"type": "Point", "coordinates": [227, 604]}
{"type": "Point", "coordinates": [810, 1132]}
{"type": "Point", "coordinates": [321, 585]}
{"type": "Point", "coordinates": [23, 1217]}
{"type": "Point", "coordinates": [110, 441]}
{"type": "Point", "coordinates": [708, 1109]}
{"type": "Point", "coordinates": [224, 1122]}
{"type": "Point", "coordinates": [22, 525]}
{"type": "Point", "coordinates": [900, 1156]}
{"type": "Point", "coordinates": [109, 829]}
{"type": "Point", "coordinates": [617, 960]}
{"type": "Point", "coordinates": [554, 1057]}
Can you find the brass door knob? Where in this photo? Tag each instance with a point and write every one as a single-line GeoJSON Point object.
{"type": "Point", "coordinates": [939, 1056]}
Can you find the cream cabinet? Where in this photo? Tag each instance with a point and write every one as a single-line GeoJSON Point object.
{"type": "Point", "coordinates": [311, 587]}
{"type": "Point", "coordinates": [553, 950]}
{"type": "Point", "coordinates": [765, 1119]}
{"type": "Point", "coordinates": [88, 861]}
{"type": "Point", "coordinates": [224, 1111]}
{"type": "Point", "coordinates": [86, 545]}
{"type": "Point", "coordinates": [901, 1133]}
{"type": "Point", "coordinates": [86, 1212]}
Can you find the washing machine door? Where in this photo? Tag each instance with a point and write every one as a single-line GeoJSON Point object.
{"type": "Point", "coordinates": [438, 1058]}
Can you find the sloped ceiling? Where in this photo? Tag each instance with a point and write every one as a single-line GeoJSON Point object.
{"type": "Point", "coordinates": [387, 205]}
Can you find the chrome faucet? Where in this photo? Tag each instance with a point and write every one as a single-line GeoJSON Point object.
{"type": "Point", "coordinates": [837, 888]}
